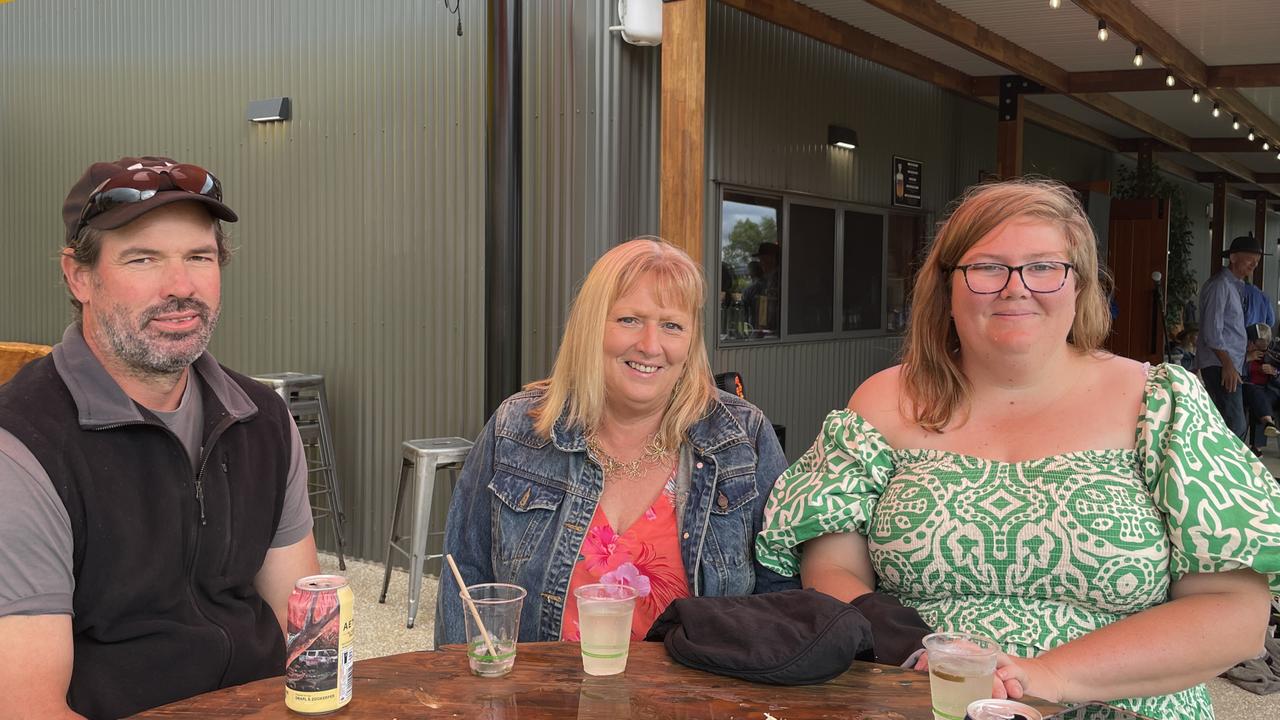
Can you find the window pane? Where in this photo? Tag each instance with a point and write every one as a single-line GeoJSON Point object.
{"type": "Point", "coordinates": [750, 267]}
{"type": "Point", "coordinates": [906, 253]}
{"type": "Point", "coordinates": [810, 280]}
{"type": "Point", "coordinates": [863, 260]}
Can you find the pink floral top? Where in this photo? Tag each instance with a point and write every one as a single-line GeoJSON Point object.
{"type": "Point", "coordinates": [646, 557]}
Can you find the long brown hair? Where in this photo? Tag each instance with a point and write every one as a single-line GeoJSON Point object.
{"type": "Point", "coordinates": [933, 383]}
{"type": "Point", "coordinates": [576, 386]}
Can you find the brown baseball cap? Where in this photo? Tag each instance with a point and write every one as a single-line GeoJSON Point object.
{"type": "Point", "coordinates": [123, 213]}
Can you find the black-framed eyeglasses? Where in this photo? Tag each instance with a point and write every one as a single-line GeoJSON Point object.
{"type": "Point", "coordinates": [1042, 276]}
{"type": "Point", "coordinates": [142, 182]}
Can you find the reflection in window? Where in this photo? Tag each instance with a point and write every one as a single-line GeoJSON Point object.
{"type": "Point", "coordinates": [863, 263]}
{"type": "Point", "coordinates": [810, 281]}
{"type": "Point", "coordinates": [750, 267]}
{"type": "Point", "coordinates": [906, 253]}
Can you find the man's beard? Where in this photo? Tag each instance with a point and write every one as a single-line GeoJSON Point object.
{"type": "Point", "coordinates": [153, 353]}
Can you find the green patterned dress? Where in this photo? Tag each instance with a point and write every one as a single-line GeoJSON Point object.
{"type": "Point", "coordinates": [1039, 552]}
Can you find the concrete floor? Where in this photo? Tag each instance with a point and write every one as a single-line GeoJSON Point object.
{"type": "Point", "coordinates": [380, 628]}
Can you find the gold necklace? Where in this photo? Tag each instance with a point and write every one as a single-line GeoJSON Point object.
{"type": "Point", "coordinates": [655, 451]}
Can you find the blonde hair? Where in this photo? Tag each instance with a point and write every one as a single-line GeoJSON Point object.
{"type": "Point", "coordinates": [576, 386]}
{"type": "Point", "coordinates": [932, 380]}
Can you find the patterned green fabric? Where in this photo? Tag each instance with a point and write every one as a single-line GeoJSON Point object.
{"type": "Point", "coordinates": [1040, 552]}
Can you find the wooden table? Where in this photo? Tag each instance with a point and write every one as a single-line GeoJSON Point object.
{"type": "Point", "coordinates": [548, 682]}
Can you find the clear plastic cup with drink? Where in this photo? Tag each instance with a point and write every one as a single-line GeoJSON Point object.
{"type": "Point", "coordinates": [493, 653]}
{"type": "Point", "coordinates": [962, 667]}
{"type": "Point", "coordinates": [604, 619]}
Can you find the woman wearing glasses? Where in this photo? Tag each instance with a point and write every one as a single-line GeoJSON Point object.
{"type": "Point", "coordinates": [1092, 514]}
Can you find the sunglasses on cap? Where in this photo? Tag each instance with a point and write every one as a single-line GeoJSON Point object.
{"type": "Point", "coordinates": [140, 183]}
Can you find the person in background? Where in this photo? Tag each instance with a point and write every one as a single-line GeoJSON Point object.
{"type": "Point", "coordinates": [1221, 344]}
{"type": "Point", "coordinates": [626, 466]}
{"type": "Point", "coordinates": [1261, 388]}
{"type": "Point", "coordinates": [1258, 306]}
{"type": "Point", "coordinates": [1182, 351]}
{"type": "Point", "coordinates": [1012, 479]}
{"type": "Point", "coordinates": [153, 504]}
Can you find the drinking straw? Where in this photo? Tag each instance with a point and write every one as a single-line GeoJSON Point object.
{"type": "Point", "coordinates": [471, 605]}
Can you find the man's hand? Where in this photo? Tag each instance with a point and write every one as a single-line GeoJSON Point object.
{"type": "Point", "coordinates": [1230, 378]}
{"type": "Point", "coordinates": [1268, 369]}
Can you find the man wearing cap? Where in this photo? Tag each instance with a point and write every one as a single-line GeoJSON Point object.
{"type": "Point", "coordinates": [153, 504]}
{"type": "Point", "coordinates": [1220, 349]}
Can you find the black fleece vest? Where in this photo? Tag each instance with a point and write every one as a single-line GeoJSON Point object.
{"type": "Point", "coordinates": [164, 602]}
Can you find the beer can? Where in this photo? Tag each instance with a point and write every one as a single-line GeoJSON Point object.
{"type": "Point", "coordinates": [993, 709]}
{"type": "Point", "coordinates": [321, 651]}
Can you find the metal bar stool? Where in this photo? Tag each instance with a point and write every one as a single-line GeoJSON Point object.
{"type": "Point", "coordinates": [303, 394]}
{"type": "Point", "coordinates": [423, 460]}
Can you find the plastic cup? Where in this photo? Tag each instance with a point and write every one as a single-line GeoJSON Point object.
{"type": "Point", "coordinates": [961, 669]}
{"type": "Point", "coordinates": [604, 619]}
{"type": "Point", "coordinates": [498, 605]}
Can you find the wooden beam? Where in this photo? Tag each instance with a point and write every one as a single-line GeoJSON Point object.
{"type": "Point", "coordinates": [1152, 79]}
{"type": "Point", "coordinates": [1217, 225]}
{"type": "Point", "coordinates": [1178, 169]}
{"type": "Point", "coordinates": [1239, 76]}
{"type": "Point", "coordinates": [1234, 101]}
{"type": "Point", "coordinates": [1260, 232]}
{"type": "Point", "coordinates": [823, 28]}
{"type": "Point", "coordinates": [1009, 138]}
{"type": "Point", "coordinates": [1126, 19]}
{"type": "Point", "coordinates": [954, 27]}
{"type": "Point", "coordinates": [1201, 145]}
{"type": "Point", "coordinates": [683, 132]}
{"type": "Point", "coordinates": [1121, 81]}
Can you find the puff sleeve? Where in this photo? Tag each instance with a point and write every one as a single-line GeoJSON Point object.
{"type": "Point", "coordinates": [832, 488]}
{"type": "Point", "coordinates": [1221, 505]}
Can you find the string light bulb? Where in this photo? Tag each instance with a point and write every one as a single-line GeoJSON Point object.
{"type": "Point", "coordinates": [1195, 96]}
{"type": "Point", "coordinates": [1137, 56]}
{"type": "Point", "coordinates": [1055, 4]}
{"type": "Point", "coordinates": [1169, 80]}
{"type": "Point", "coordinates": [1102, 30]}
{"type": "Point", "coordinates": [1216, 111]}
{"type": "Point", "coordinates": [1235, 122]}
{"type": "Point", "coordinates": [1252, 137]}
{"type": "Point", "coordinates": [1266, 145]}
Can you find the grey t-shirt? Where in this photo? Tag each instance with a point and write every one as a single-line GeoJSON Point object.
{"type": "Point", "coordinates": [35, 530]}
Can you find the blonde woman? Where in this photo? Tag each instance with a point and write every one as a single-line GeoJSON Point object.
{"type": "Point", "coordinates": [1092, 514]}
{"type": "Point", "coordinates": [625, 466]}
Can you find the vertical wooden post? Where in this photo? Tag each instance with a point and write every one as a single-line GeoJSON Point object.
{"type": "Point", "coordinates": [1218, 225]}
{"type": "Point", "coordinates": [1009, 136]}
{"type": "Point", "coordinates": [1260, 232]}
{"type": "Point", "coordinates": [684, 70]}
{"type": "Point", "coordinates": [1146, 158]}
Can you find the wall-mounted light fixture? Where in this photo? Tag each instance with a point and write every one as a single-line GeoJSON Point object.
{"type": "Point", "coordinates": [842, 137]}
{"type": "Point", "coordinates": [639, 21]}
{"type": "Point", "coordinates": [269, 110]}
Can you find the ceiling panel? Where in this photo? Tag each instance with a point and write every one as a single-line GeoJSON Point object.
{"type": "Point", "coordinates": [883, 25]}
{"type": "Point", "coordinates": [1064, 105]}
{"type": "Point", "coordinates": [1066, 37]}
{"type": "Point", "coordinates": [1225, 32]}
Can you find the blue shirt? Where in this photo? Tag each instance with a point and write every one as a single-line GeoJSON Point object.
{"type": "Point", "coordinates": [1221, 321]}
{"type": "Point", "coordinates": [1258, 308]}
{"type": "Point", "coordinates": [523, 504]}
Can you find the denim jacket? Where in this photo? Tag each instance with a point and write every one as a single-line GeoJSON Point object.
{"type": "Point", "coordinates": [523, 504]}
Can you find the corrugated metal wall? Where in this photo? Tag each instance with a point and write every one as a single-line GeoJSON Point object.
{"type": "Point", "coordinates": [591, 122]}
{"type": "Point", "coordinates": [770, 95]}
{"type": "Point", "coordinates": [361, 240]}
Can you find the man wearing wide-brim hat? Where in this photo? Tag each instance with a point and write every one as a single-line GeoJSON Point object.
{"type": "Point", "coordinates": [1220, 349]}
